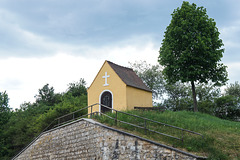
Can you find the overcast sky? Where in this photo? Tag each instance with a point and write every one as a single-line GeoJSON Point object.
{"type": "Point", "coordinates": [61, 41]}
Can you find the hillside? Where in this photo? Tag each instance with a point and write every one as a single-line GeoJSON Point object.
{"type": "Point", "coordinates": [221, 137]}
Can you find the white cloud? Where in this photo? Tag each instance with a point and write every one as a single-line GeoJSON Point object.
{"type": "Point", "coordinates": [22, 77]}
{"type": "Point", "coordinates": [230, 35]}
{"type": "Point", "coordinates": [33, 73]}
{"type": "Point", "coordinates": [233, 71]}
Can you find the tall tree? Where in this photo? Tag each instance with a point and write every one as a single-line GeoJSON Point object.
{"type": "Point", "coordinates": [4, 108]}
{"type": "Point", "coordinates": [5, 114]}
{"type": "Point", "coordinates": [191, 50]}
{"type": "Point", "coordinates": [77, 88]}
{"type": "Point", "coordinates": [45, 95]}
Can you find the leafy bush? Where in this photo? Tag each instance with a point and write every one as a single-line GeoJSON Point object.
{"type": "Point", "coordinates": [226, 107]}
{"type": "Point", "coordinates": [206, 107]}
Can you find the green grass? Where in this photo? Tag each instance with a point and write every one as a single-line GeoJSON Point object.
{"type": "Point", "coordinates": [221, 137]}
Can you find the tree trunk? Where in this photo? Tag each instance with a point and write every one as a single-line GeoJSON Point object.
{"type": "Point", "coordinates": [194, 97]}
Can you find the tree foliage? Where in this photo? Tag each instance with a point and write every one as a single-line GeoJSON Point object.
{"type": "Point", "coordinates": [191, 50]}
{"type": "Point", "coordinates": [227, 107]}
{"type": "Point", "coordinates": [45, 95]}
{"type": "Point", "coordinates": [30, 119]}
{"type": "Point", "coordinates": [5, 110]}
{"type": "Point", "coordinates": [77, 88]}
{"type": "Point", "coordinates": [229, 104]}
{"type": "Point", "coordinates": [5, 113]}
{"type": "Point", "coordinates": [151, 75]}
{"type": "Point", "coordinates": [233, 89]}
{"type": "Point", "coordinates": [4, 107]}
{"type": "Point", "coordinates": [177, 97]}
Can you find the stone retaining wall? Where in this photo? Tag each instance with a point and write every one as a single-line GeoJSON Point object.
{"type": "Point", "coordinates": [88, 140]}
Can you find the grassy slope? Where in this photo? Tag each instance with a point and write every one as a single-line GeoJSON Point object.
{"type": "Point", "coordinates": [222, 137]}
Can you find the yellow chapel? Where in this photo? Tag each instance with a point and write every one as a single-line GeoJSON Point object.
{"type": "Point", "coordinates": [119, 88]}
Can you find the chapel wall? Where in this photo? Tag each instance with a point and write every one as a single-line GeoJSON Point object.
{"type": "Point", "coordinates": [138, 98]}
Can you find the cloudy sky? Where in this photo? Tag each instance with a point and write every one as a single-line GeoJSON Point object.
{"type": "Point", "coordinates": [61, 41]}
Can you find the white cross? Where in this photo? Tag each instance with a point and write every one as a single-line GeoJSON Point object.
{"type": "Point", "coordinates": [106, 76]}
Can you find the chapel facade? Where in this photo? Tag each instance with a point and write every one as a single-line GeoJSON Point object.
{"type": "Point", "coordinates": [119, 88]}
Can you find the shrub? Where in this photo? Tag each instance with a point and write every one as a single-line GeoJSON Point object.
{"type": "Point", "coordinates": [227, 107]}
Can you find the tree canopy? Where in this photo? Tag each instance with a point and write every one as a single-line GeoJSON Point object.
{"type": "Point", "coordinates": [191, 50]}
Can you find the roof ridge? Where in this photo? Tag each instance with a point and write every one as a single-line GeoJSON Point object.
{"type": "Point", "coordinates": [119, 65]}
